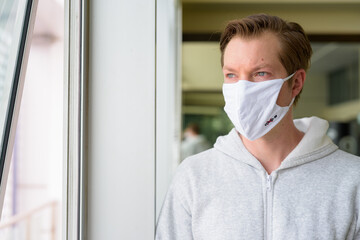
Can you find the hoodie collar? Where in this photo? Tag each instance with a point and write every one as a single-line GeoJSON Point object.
{"type": "Point", "coordinates": [315, 144]}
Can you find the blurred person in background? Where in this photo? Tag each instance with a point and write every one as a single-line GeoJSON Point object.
{"type": "Point", "coordinates": [193, 141]}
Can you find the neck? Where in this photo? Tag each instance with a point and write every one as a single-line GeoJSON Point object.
{"type": "Point", "coordinates": [273, 148]}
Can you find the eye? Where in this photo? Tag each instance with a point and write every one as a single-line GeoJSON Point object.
{"type": "Point", "coordinates": [230, 75]}
{"type": "Point", "coordinates": [261, 74]}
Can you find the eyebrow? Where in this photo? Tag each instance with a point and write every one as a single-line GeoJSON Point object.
{"type": "Point", "coordinates": [262, 66]}
{"type": "Point", "coordinates": [256, 68]}
{"type": "Point", "coordinates": [228, 68]}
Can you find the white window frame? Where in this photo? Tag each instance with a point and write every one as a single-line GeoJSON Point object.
{"type": "Point", "coordinates": [75, 67]}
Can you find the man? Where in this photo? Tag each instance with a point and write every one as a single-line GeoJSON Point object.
{"type": "Point", "coordinates": [271, 177]}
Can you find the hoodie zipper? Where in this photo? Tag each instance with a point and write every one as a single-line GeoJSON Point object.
{"type": "Point", "coordinates": [269, 205]}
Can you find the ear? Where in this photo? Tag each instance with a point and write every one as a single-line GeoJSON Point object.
{"type": "Point", "coordinates": [298, 82]}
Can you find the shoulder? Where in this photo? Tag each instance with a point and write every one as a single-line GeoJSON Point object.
{"type": "Point", "coordinates": [345, 159]}
{"type": "Point", "coordinates": [345, 165]}
{"type": "Point", "coordinates": [196, 164]}
{"type": "Point", "coordinates": [188, 176]}
{"type": "Point", "coordinates": [205, 161]}
{"type": "Point", "coordinates": [197, 169]}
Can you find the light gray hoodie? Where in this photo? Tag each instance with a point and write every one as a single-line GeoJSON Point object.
{"type": "Point", "coordinates": [224, 193]}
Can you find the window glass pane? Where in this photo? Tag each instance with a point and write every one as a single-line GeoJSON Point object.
{"type": "Point", "coordinates": [11, 22]}
{"type": "Point", "coordinates": [33, 198]}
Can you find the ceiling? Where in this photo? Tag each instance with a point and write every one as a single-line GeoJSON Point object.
{"type": "Point", "coordinates": [318, 16]}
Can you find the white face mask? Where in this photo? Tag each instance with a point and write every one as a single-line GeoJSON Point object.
{"type": "Point", "coordinates": [251, 106]}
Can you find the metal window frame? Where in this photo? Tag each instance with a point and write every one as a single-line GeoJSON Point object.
{"type": "Point", "coordinates": [75, 95]}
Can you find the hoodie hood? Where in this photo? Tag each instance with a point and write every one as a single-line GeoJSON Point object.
{"type": "Point", "coordinates": [315, 144]}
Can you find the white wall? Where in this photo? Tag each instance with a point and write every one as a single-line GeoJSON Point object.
{"type": "Point", "coordinates": [121, 120]}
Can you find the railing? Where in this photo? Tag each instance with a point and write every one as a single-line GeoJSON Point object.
{"type": "Point", "coordinates": [28, 218]}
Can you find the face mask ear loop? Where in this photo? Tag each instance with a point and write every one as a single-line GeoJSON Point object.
{"type": "Point", "coordinates": [287, 78]}
{"type": "Point", "coordinates": [291, 103]}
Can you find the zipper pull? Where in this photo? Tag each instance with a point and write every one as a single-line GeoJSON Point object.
{"type": "Point", "coordinates": [269, 183]}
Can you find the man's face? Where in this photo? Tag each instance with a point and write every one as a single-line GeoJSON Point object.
{"type": "Point", "coordinates": [256, 59]}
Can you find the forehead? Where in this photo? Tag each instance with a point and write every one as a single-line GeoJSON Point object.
{"type": "Point", "coordinates": [264, 48]}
